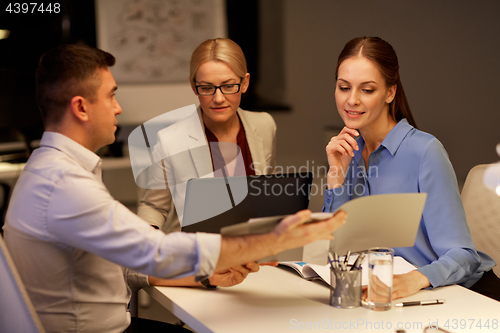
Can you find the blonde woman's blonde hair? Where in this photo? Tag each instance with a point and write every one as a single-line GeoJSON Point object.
{"type": "Point", "coordinates": [219, 49]}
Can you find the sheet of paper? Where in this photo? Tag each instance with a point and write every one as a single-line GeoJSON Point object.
{"type": "Point", "coordinates": [385, 220]}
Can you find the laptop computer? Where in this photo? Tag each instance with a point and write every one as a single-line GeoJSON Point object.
{"type": "Point", "coordinates": [214, 203]}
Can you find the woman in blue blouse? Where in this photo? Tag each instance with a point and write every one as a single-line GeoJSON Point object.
{"type": "Point", "coordinates": [391, 155]}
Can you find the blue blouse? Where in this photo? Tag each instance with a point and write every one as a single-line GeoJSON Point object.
{"type": "Point", "coordinates": [411, 161]}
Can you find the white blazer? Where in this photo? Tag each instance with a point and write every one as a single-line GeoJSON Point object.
{"type": "Point", "coordinates": [190, 158]}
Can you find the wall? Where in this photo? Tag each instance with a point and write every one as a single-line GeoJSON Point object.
{"type": "Point", "coordinates": [141, 102]}
{"type": "Point", "coordinates": [449, 59]}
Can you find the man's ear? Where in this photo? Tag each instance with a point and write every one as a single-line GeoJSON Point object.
{"type": "Point", "coordinates": [79, 108]}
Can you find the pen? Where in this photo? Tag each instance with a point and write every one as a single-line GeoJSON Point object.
{"type": "Point", "coordinates": [343, 266]}
{"type": "Point", "coordinates": [330, 260]}
{"type": "Point", "coordinates": [336, 260]}
{"type": "Point", "coordinates": [421, 303]}
{"type": "Point", "coordinates": [347, 256]}
{"type": "Point", "coordinates": [358, 261]}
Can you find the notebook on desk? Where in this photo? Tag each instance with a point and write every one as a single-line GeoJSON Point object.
{"type": "Point", "coordinates": [214, 203]}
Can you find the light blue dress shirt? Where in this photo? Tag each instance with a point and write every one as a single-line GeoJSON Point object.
{"type": "Point", "coordinates": [70, 241]}
{"type": "Point", "coordinates": [411, 161]}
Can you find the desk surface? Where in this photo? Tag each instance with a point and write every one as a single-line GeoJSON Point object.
{"type": "Point", "coordinates": [276, 300]}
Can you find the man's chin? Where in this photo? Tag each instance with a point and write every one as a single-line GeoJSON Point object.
{"type": "Point", "coordinates": [108, 142]}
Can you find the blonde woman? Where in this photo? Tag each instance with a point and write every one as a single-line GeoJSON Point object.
{"type": "Point", "coordinates": [219, 77]}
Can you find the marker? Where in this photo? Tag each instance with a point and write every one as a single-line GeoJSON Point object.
{"type": "Point", "coordinates": [421, 303]}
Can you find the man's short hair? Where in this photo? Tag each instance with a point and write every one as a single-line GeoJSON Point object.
{"type": "Point", "coordinates": [67, 71]}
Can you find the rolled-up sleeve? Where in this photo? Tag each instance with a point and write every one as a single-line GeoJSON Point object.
{"type": "Point", "coordinates": [93, 221]}
{"type": "Point", "coordinates": [136, 280]}
{"type": "Point", "coordinates": [209, 250]}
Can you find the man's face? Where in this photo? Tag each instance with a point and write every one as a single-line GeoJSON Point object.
{"type": "Point", "coordinates": [103, 111]}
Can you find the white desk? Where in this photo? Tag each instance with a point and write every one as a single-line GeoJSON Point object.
{"type": "Point", "coordinates": [275, 300]}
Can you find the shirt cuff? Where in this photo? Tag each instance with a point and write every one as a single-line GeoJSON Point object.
{"type": "Point", "coordinates": [208, 252]}
{"type": "Point", "coordinates": [327, 206]}
{"type": "Point", "coordinates": [337, 195]}
{"type": "Point", "coordinates": [433, 275]}
{"type": "Point", "coordinates": [136, 280]}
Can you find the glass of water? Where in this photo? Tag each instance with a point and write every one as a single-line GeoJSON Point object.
{"type": "Point", "coordinates": [380, 272]}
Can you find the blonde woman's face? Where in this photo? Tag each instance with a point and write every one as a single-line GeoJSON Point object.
{"type": "Point", "coordinates": [219, 108]}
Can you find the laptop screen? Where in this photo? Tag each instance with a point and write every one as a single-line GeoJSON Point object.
{"type": "Point", "coordinates": [214, 203]}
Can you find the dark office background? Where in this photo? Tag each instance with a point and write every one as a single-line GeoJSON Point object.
{"type": "Point", "coordinates": [448, 53]}
{"type": "Point", "coordinates": [30, 36]}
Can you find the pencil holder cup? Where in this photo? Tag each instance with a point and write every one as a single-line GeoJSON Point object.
{"type": "Point", "coordinates": [345, 289]}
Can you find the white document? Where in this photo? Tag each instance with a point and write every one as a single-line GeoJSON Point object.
{"type": "Point", "coordinates": [385, 220]}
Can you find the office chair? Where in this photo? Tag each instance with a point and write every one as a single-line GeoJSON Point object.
{"type": "Point", "coordinates": [482, 208]}
{"type": "Point", "coordinates": [17, 313]}
{"type": "Point", "coordinates": [4, 202]}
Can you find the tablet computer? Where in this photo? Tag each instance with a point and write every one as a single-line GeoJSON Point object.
{"type": "Point", "coordinates": [214, 203]}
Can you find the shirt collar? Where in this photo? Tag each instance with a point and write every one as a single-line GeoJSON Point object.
{"type": "Point", "coordinates": [86, 158]}
{"type": "Point", "coordinates": [396, 136]}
